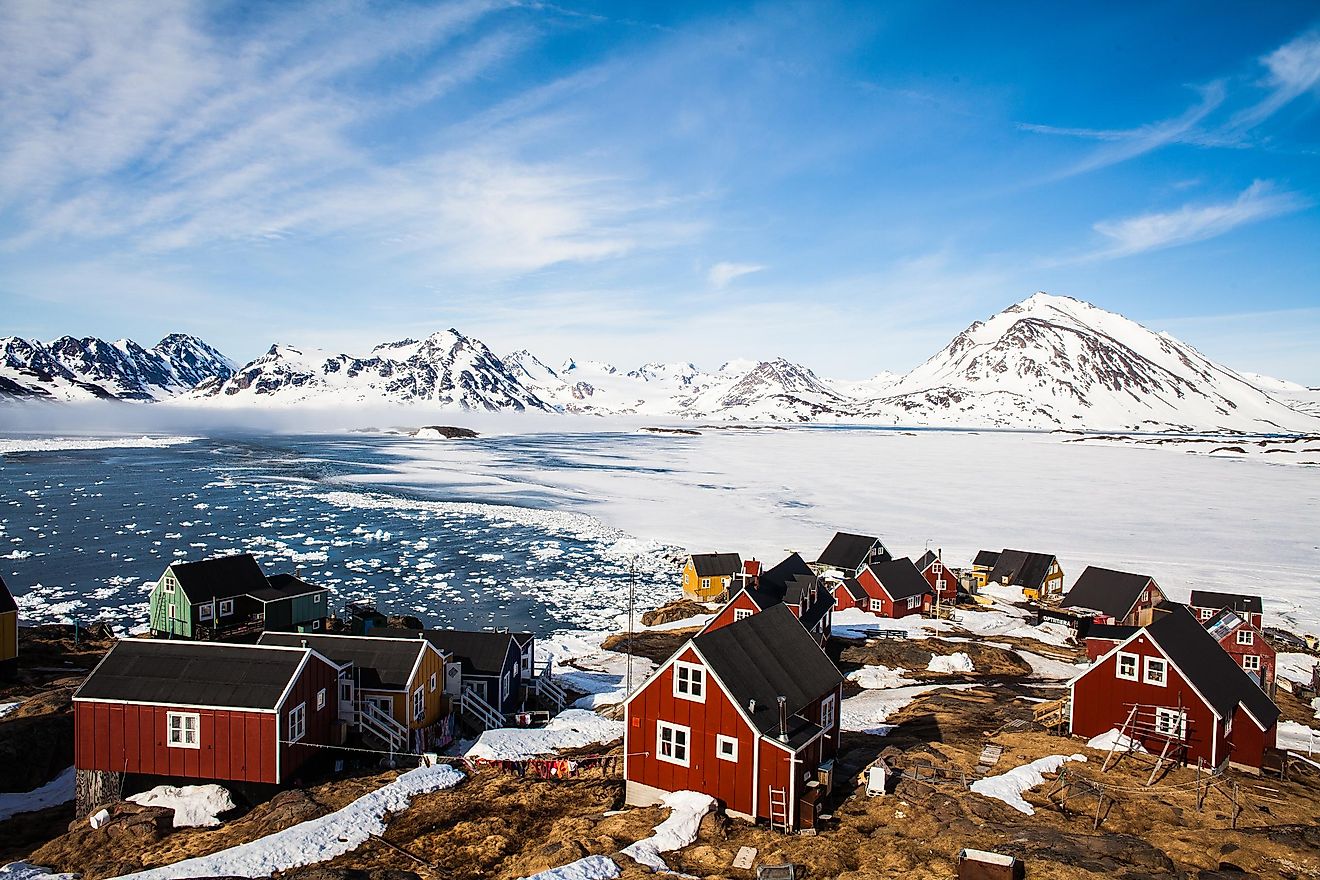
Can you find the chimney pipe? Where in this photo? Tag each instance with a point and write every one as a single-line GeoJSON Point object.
{"type": "Point", "coordinates": [751, 707]}
{"type": "Point", "coordinates": [304, 642]}
{"type": "Point", "coordinates": [783, 720]}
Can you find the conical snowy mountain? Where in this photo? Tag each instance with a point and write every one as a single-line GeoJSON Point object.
{"type": "Point", "coordinates": [1054, 361]}
{"type": "Point", "coordinates": [90, 368]}
{"type": "Point", "coordinates": [446, 369]}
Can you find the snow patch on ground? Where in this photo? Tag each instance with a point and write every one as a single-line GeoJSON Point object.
{"type": "Point", "coordinates": [1295, 667]}
{"type": "Point", "coordinates": [1114, 738]}
{"type": "Point", "coordinates": [6, 708]}
{"type": "Point", "coordinates": [1049, 669]}
{"type": "Point", "coordinates": [58, 791]}
{"type": "Point", "coordinates": [590, 868]}
{"type": "Point", "coordinates": [686, 809]}
{"type": "Point", "coordinates": [958, 662]}
{"type": "Point", "coordinates": [578, 662]}
{"type": "Point", "coordinates": [25, 871]}
{"type": "Point", "coordinates": [193, 805]}
{"type": "Point", "coordinates": [1298, 738]}
{"type": "Point", "coordinates": [316, 840]}
{"type": "Point", "coordinates": [570, 729]}
{"type": "Point", "coordinates": [1008, 787]}
{"type": "Point", "coordinates": [877, 677]}
{"type": "Point", "coordinates": [868, 711]}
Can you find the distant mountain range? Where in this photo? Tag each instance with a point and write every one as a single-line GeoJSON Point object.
{"type": "Point", "coordinates": [1047, 362]}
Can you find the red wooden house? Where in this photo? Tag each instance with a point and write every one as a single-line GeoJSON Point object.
{"type": "Point", "coordinates": [942, 581]}
{"type": "Point", "coordinates": [1205, 604]}
{"type": "Point", "coordinates": [747, 713]}
{"type": "Point", "coordinates": [205, 710]}
{"type": "Point", "coordinates": [790, 583]}
{"type": "Point", "coordinates": [1101, 638]}
{"type": "Point", "coordinates": [1247, 645]}
{"type": "Point", "coordinates": [895, 588]}
{"type": "Point", "coordinates": [1172, 687]}
{"type": "Point", "coordinates": [848, 554]}
{"type": "Point", "coordinates": [1115, 597]}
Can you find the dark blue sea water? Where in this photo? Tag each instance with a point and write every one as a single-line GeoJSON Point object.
{"type": "Point", "coordinates": [84, 533]}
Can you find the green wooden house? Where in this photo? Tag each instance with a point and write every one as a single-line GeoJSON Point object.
{"type": "Point", "coordinates": [230, 597]}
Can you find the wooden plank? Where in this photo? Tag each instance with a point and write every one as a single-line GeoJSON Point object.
{"type": "Point", "coordinates": [745, 858]}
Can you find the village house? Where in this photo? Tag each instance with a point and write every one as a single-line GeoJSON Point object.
{"type": "Point", "coordinates": [1101, 638]}
{"type": "Point", "coordinates": [848, 554]}
{"type": "Point", "coordinates": [849, 593]}
{"type": "Point", "coordinates": [1039, 575]}
{"type": "Point", "coordinates": [747, 713]}
{"type": "Point", "coordinates": [982, 564]}
{"type": "Point", "coordinates": [229, 597]}
{"type": "Point", "coordinates": [790, 583]}
{"type": "Point", "coordinates": [490, 663]}
{"type": "Point", "coordinates": [895, 589]}
{"type": "Point", "coordinates": [393, 691]}
{"type": "Point", "coordinates": [1247, 645]}
{"type": "Point", "coordinates": [943, 581]}
{"type": "Point", "coordinates": [206, 711]}
{"type": "Point", "coordinates": [1205, 604]}
{"type": "Point", "coordinates": [1171, 687]}
{"type": "Point", "coordinates": [708, 576]}
{"type": "Point", "coordinates": [8, 632]}
{"type": "Point", "coordinates": [1115, 597]}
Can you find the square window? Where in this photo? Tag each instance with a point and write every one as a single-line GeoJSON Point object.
{"type": "Point", "coordinates": [877, 606]}
{"type": "Point", "coordinates": [203, 612]}
{"type": "Point", "coordinates": [226, 607]}
{"type": "Point", "coordinates": [320, 699]}
{"type": "Point", "coordinates": [726, 747]}
{"type": "Point", "coordinates": [297, 722]}
{"type": "Point", "coordinates": [1127, 667]}
{"type": "Point", "coordinates": [1156, 671]}
{"type": "Point", "coordinates": [1171, 722]}
{"type": "Point", "coordinates": [316, 600]}
{"type": "Point", "coordinates": [671, 743]}
{"type": "Point", "coordinates": [1206, 614]}
{"type": "Point", "coordinates": [936, 569]}
{"type": "Point", "coordinates": [1246, 637]}
{"type": "Point", "coordinates": [1251, 663]}
{"type": "Point", "coordinates": [690, 681]}
{"type": "Point", "coordinates": [184, 730]}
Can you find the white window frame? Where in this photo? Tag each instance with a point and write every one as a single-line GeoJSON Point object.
{"type": "Point", "coordinates": [828, 713]}
{"type": "Point", "coordinates": [1136, 666]}
{"type": "Point", "coordinates": [320, 699]}
{"type": "Point", "coordinates": [1250, 637]}
{"type": "Point", "coordinates": [877, 605]}
{"type": "Point", "coordinates": [1164, 716]}
{"type": "Point", "coordinates": [167, 584]}
{"type": "Point", "coordinates": [1207, 613]}
{"type": "Point", "coordinates": [913, 602]}
{"type": "Point", "coordinates": [689, 681]}
{"type": "Point", "coordinates": [226, 607]}
{"type": "Point", "coordinates": [741, 614]}
{"type": "Point", "coordinates": [419, 703]}
{"type": "Point", "coordinates": [507, 684]}
{"type": "Point", "coordinates": [680, 742]}
{"type": "Point", "coordinates": [937, 568]}
{"type": "Point", "coordinates": [297, 722]}
{"type": "Point", "coordinates": [177, 735]}
{"type": "Point", "coordinates": [433, 682]}
{"type": "Point", "coordinates": [204, 612]}
{"type": "Point", "coordinates": [1163, 679]}
{"type": "Point", "coordinates": [316, 599]}
{"type": "Point", "coordinates": [1228, 725]}
{"type": "Point", "coordinates": [705, 583]}
{"type": "Point", "coordinates": [1251, 662]}
{"type": "Point", "coordinates": [726, 747]}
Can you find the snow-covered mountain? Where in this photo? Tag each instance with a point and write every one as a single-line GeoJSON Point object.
{"type": "Point", "coordinates": [1054, 361]}
{"type": "Point", "coordinates": [446, 369]}
{"type": "Point", "coordinates": [1047, 362]}
{"type": "Point", "coordinates": [90, 368]}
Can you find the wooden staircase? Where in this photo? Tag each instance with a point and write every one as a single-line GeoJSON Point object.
{"type": "Point", "coordinates": [375, 724]}
{"type": "Point", "coordinates": [549, 690]}
{"type": "Point", "coordinates": [480, 714]}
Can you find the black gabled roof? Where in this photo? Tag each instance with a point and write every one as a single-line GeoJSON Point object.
{"type": "Point", "coordinates": [716, 564]}
{"type": "Point", "coordinates": [180, 673]}
{"type": "Point", "coordinates": [816, 613]}
{"type": "Point", "coordinates": [1024, 569]}
{"type": "Point", "coordinates": [479, 651]}
{"type": "Point", "coordinates": [1237, 602]}
{"type": "Point", "coordinates": [7, 602]}
{"type": "Point", "coordinates": [900, 578]}
{"type": "Point", "coordinates": [1110, 632]}
{"type": "Point", "coordinates": [927, 558]}
{"type": "Point", "coordinates": [379, 662]}
{"type": "Point", "coordinates": [285, 586]}
{"type": "Point", "coordinates": [855, 589]}
{"type": "Point", "coordinates": [1209, 668]}
{"type": "Point", "coordinates": [987, 558]}
{"type": "Point", "coordinates": [1110, 592]}
{"type": "Point", "coordinates": [775, 580]}
{"type": "Point", "coordinates": [800, 587]}
{"type": "Point", "coordinates": [847, 551]}
{"type": "Point", "coordinates": [223, 577]}
{"type": "Point", "coordinates": [765, 656]}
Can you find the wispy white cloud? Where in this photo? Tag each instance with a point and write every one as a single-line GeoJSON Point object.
{"type": "Point", "coordinates": [1194, 222]}
{"type": "Point", "coordinates": [1293, 69]}
{"type": "Point", "coordinates": [721, 274]}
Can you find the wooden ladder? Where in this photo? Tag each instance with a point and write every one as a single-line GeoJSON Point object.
{"type": "Point", "coordinates": [778, 809]}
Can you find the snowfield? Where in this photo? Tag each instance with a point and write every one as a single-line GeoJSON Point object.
{"type": "Point", "coordinates": [12, 445]}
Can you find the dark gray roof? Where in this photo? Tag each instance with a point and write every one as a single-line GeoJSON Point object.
{"type": "Point", "coordinates": [221, 578]}
{"type": "Point", "coordinates": [1209, 668]}
{"type": "Point", "coordinates": [800, 588]}
{"type": "Point", "coordinates": [987, 558]}
{"type": "Point", "coordinates": [285, 586]}
{"type": "Point", "coordinates": [926, 559]}
{"type": "Point", "coordinates": [378, 663]}
{"type": "Point", "coordinates": [855, 589]}
{"type": "Point", "coordinates": [1110, 632]}
{"type": "Point", "coordinates": [1110, 592]}
{"type": "Point", "coordinates": [480, 652]}
{"type": "Point", "coordinates": [1023, 569]}
{"type": "Point", "coordinates": [180, 673]}
{"type": "Point", "coordinates": [716, 564]}
{"type": "Point", "coordinates": [816, 613]}
{"type": "Point", "coordinates": [847, 551]}
{"type": "Point", "coordinates": [766, 656]}
{"type": "Point", "coordinates": [775, 580]}
{"type": "Point", "coordinates": [7, 602]}
{"type": "Point", "coordinates": [1239, 603]}
{"type": "Point", "coordinates": [900, 578]}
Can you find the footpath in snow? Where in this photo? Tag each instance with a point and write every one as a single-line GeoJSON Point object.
{"type": "Point", "coordinates": [686, 809]}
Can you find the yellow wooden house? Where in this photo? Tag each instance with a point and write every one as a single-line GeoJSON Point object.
{"type": "Point", "coordinates": [8, 632]}
{"type": "Point", "coordinates": [1038, 575]}
{"type": "Point", "coordinates": [709, 576]}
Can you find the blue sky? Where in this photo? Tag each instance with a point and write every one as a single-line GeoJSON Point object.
{"type": "Point", "coordinates": [844, 185]}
